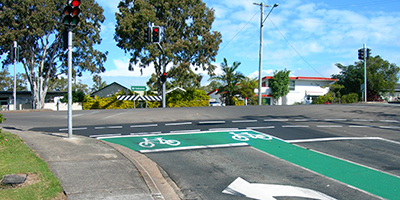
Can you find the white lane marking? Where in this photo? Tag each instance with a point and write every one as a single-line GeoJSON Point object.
{"type": "Point", "coordinates": [108, 127]}
{"type": "Point", "coordinates": [332, 139]}
{"type": "Point", "coordinates": [146, 133]}
{"type": "Point", "coordinates": [335, 119]}
{"type": "Point", "coordinates": [223, 129]}
{"type": "Point", "coordinates": [143, 125]}
{"type": "Point", "coordinates": [241, 187]}
{"type": "Point", "coordinates": [389, 121]}
{"type": "Point", "coordinates": [244, 121]}
{"type": "Point", "coordinates": [359, 126]}
{"type": "Point", "coordinates": [276, 120]}
{"type": "Point", "coordinates": [390, 127]}
{"type": "Point", "coordinates": [212, 122]}
{"type": "Point", "coordinates": [105, 135]}
{"type": "Point", "coordinates": [329, 126]}
{"type": "Point", "coordinates": [178, 124]}
{"type": "Point", "coordinates": [295, 126]}
{"type": "Point", "coordinates": [74, 129]}
{"type": "Point", "coordinates": [185, 131]}
{"type": "Point", "coordinates": [195, 147]}
{"type": "Point", "coordinates": [305, 120]}
{"type": "Point", "coordinates": [260, 127]}
{"type": "Point", "coordinates": [363, 120]}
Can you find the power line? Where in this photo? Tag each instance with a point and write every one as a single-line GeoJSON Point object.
{"type": "Point", "coordinates": [295, 49]}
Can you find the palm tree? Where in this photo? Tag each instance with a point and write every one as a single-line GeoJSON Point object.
{"type": "Point", "coordinates": [230, 79]}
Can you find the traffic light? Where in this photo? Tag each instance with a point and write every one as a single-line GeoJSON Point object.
{"type": "Point", "coordinates": [164, 77]}
{"type": "Point", "coordinates": [71, 12]}
{"type": "Point", "coordinates": [156, 36]}
{"type": "Point", "coordinates": [361, 54]}
{"type": "Point", "coordinates": [147, 35]}
{"type": "Point", "coordinates": [368, 53]}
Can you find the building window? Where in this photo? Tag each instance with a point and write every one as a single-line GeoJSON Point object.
{"type": "Point", "coordinates": [292, 85]}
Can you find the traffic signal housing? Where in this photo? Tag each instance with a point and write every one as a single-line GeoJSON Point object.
{"type": "Point", "coordinates": [361, 54]}
{"type": "Point", "coordinates": [368, 53]}
{"type": "Point", "coordinates": [71, 13]}
{"type": "Point", "coordinates": [147, 35]}
{"type": "Point", "coordinates": [164, 77]}
{"type": "Point", "coordinates": [156, 34]}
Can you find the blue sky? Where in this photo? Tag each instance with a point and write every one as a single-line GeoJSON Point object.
{"type": "Point", "coordinates": [306, 37]}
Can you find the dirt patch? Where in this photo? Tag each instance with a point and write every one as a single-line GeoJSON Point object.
{"type": "Point", "coordinates": [31, 178]}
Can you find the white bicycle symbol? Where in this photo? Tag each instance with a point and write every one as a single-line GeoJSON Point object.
{"type": "Point", "coordinates": [149, 143]}
{"type": "Point", "coordinates": [245, 136]}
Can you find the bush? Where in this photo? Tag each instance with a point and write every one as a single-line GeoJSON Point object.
{"type": "Point", "coordinates": [2, 119]}
{"type": "Point", "coordinates": [350, 98]}
{"type": "Point", "coordinates": [190, 98]}
{"type": "Point", "coordinates": [327, 98]}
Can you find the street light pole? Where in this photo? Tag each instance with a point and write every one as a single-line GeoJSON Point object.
{"type": "Point", "coordinates": [262, 20]}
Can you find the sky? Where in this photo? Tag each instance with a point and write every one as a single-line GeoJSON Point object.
{"type": "Point", "coordinates": [307, 37]}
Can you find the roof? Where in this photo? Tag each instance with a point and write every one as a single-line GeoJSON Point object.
{"type": "Point", "coordinates": [104, 88]}
{"type": "Point", "coordinates": [305, 78]}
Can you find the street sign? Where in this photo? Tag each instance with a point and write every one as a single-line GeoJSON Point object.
{"type": "Point", "coordinates": [139, 88]}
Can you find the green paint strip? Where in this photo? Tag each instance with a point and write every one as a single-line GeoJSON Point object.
{"type": "Point", "coordinates": [372, 181]}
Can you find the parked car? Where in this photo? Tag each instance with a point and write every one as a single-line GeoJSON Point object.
{"type": "Point", "coordinates": [215, 103]}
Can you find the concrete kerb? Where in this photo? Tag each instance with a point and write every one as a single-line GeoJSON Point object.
{"type": "Point", "coordinates": [161, 187]}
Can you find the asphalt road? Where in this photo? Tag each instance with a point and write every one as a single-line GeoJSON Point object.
{"type": "Point", "coordinates": [362, 134]}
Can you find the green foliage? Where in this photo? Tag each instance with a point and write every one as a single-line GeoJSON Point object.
{"type": "Point", "coordinates": [189, 39]}
{"type": "Point", "coordinates": [35, 25]}
{"type": "Point", "coordinates": [190, 98]}
{"type": "Point", "coordinates": [247, 87]}
{"type": "Point", "coordinates": [327, 98]}
{"type": "Point", "coordinates": [230, 79]}
{"type": "Point", "coordinates": [7, 81]}
{"type": "Point", "coordinates": [90, 103]}
{"type": "Point", "coordinates": [77, 96]}
{"type": "Point", "coordinates": [279, 84]}
{"type": "Point", "coordinates": [237, 102]}
{"type": "Point", "coordinates": [2, 119]}
{"type": "Point", "coordinates": [350, 98]}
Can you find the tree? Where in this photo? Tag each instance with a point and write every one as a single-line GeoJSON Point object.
{"type": "Point", "coordinates": [381, 77]}
{"type": "Point", "coordinates": [230, 79]}
{"type": "Point", "coordinates": [61, 84]}
{"type": "Point", "coordinates": [7, 81]}
{"type": "Point", "coordinates": [247, 87]}
{"type": "Point", "coordinates": [279, 84]}
{"type": "Point", "coordinates": [188, 39]}
{"type": "Point", "coordinates": [211, 86]}
{"type": "Point", "coordinates": [98, 83]}
{"type": "Point", "coordinates": [35, 25]}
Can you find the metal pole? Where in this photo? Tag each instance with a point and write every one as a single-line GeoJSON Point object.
{"type": "Point", "coordinates": [15, 74]}
{"type": "Point", "coordinates": [70, 82]}
{"type": "Point", "coordinates": [260, 56]}
{"type": "Point", "coordinates": [164, 87]}
{"type": "Point", "coordinates": [365, 72]}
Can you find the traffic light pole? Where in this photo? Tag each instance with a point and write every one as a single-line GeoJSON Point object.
{"type": "Point", "coordinates": [15, 49]}
{"type": "Point", "coordinates": [365, 72]}
{"type": "Point", "coordinates": [164, 87]}
{"type": "Point", "coordinates": [69, 82]}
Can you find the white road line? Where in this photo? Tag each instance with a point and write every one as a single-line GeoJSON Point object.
{"type": "Point", "coordinates": [105, 135]}
{"type": "Point", "coordinates": [295, 126]}
{"type": "Point", "coordinates": [223, 129]}
{"type": "Point", "coordinates": [363, 120]}
{"type": "Point", "coordinates": [276, 120]}
{"type": "Point", "coordinates": [108, 127]}
{"type": "Point", "coordinates": [390, 127]}
{"type": "Point", "coordinates": [195, 147]}
{"type": "Point", "coordinates": [260, 127]}
{"type": "Point", "coordinates": [178, 124]}
{"type": "Point", "coordinates": [305, 120]}
{"type": "Point", "coordinates": [146, 133]}
{"type": "Point", "coordinates": [359, 126]}
{"type": "Point", "coordinates": [143, 125]}
{"type": "Point", "coordinates": [212, 122]}
{"type": "Point", "coordinates": [332, 139]}
{"type": "Point", "coordinates": [74, 129]}
{"type": "Point", "coordinates": [185, 131]}
{"type": "Point", "coordinates": [390, 121]}
{"type": "Point", "coordinates": [329, 126]}
{"type": "Point", "coordinates": [244, 121]}
{"type": "Point", "coordinates": [335, 119]}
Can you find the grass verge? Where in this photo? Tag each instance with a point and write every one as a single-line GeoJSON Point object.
{"type": "Point", "coordinates": [17, 158]}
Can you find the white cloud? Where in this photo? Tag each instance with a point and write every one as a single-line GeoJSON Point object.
{"type": "Point", "coordinates": [121, 70]}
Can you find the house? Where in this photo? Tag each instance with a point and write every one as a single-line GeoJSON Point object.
{"type": "Point", "coordinates": [301, 90]}
{"type": "Point", "coordinates": [110, 90]}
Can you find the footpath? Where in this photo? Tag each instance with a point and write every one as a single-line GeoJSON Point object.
{"type": "Point", "coordinates": [92, 169]}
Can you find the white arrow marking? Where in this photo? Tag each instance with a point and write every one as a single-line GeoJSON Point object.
{"type": "Point", "coordinates": [240, 187]}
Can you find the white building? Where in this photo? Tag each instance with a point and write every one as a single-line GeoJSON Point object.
{"type": "Point", "coordinates": [301, 90]}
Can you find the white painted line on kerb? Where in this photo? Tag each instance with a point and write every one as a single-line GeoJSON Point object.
{"type": "Point", "coordinates": [178, 124]}
{"type": "Point", "coordinates": [146, 133]}
{"type": "Point", "coordinates": [335, 119]}
{"type": "Point", "coordinates": [144, 125]}
{"type": "Point", "coordinates": [329, 126]}
{"type": "Point", "coordinates": [74, 129]}
{"type": "Point", "coordinates": [390, 121]}
{"type": "Point", "coordinates": [244, 121]}
{"type": "Point", "coordinates": [212, 122]}
{"type": "Point", "coordinates": [109, 127]}
{"type": "Point", "coordinates": [295, 126]}
{"type": "Point", "coordinates": [105, 135]}
{"type": "Point", "coordinates": [260, 127]}
{"type": "Point", "coordinates": [276, 120]}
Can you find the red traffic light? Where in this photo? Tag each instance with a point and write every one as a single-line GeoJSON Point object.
{"type": "Point", "coordinates": [164, 74]}
{"type": "Point", "coordinates": [76, 3]}
{"type": "Point", "coordinates": [155, 30]}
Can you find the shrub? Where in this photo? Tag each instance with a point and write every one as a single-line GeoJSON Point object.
{"type": "Point", "coordinates": [350, 98]}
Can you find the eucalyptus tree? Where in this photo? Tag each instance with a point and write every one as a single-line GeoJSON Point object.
{"type": "Point", "coordinates": [35, 25]}
{"type": "Point", "coordinates": [189, 41]}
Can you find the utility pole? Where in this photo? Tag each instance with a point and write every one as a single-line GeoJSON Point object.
{"type": "Point", "coordinates": [262, 20]}
{"type": "Point", "coordinates": [16, 55]}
